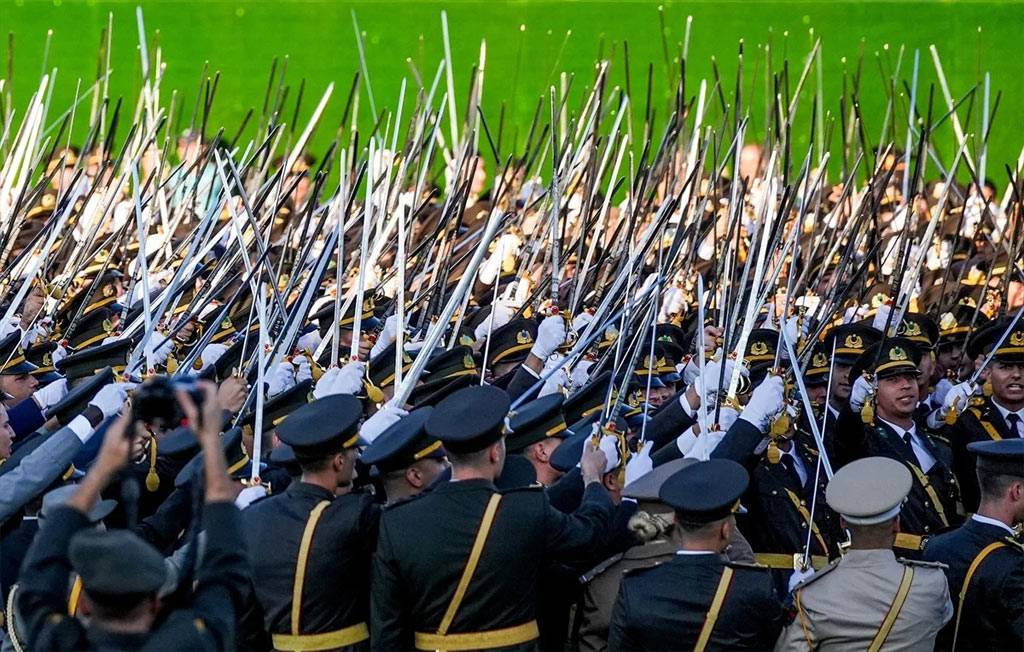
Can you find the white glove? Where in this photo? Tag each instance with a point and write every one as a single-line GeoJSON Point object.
{"type": "Point", "coordinates": [281, 378]}
{"type": "Point", "coordinates": [881, 316]}
{"type": "Point", "coordinates": [689, 370]}
{"type": "Point", "coordinates": [580, 321]}
{"type": "Point", "coordinates": [640, 463]}
{"type": "Point", "coordinates": [40, 330]}
{"type": "Point", "coordinates": [959, 396]}
{"type": "Point", "coordinates": [346, 380]}
{"type": "Point", "coordinates": [558, 380]}
{"type": "Point", "coordinates": [859, 393]}
{"type": "Point", "coordinates": [685, 442]}
{"type": "Point", "coordinates": [799, 576]}
{"type": "Point", "coordinates": [766, 401]}
{"type": "Point", "coordinates": [381, 420]}
{"type": "Point", "coordinates": [941, 389]}
{"type": "Point", "coordinates": [51, 394]}
{"type": "Point", "coordinates": [550, 336]}
{"type": "Point", "coordinates": [713, 371]}
{"type": "Point", "coordinates": [726, 417]}
{"type": "Point", "coordinates": [581, 373]}
{"type": "Point", "coordinates": [249, 495]}
{"type": "Point", "coordinates": [672, 303]}
{"type": "Point", "coordinates": [159, 348]}
{"type": "Point", "coordinates": [111, 398]}
{"type": "Point", "coordinates": [6, 328]}
{"type": "Point", "coordinates": [211, 354]}
{"type": "Point", "coordinates": [386, 336]}
{"type": "Point", "coordinates": [59, 354]}
{"type": "Point", "coordinates": [609, 444]}
{"type": "Point", "coordinates": [501, 313]}
{"type": "Point", "coordinates": [303, 370]}
{"type": "Point", "coordinates": [310, 341]}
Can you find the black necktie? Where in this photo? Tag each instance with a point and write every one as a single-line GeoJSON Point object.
{"type": "Point", "coordinates": [1014, 421]}
{"type": "Point", "coordinates": [790, 464]}
{"type": "Point", "coordinates": [910, 447]}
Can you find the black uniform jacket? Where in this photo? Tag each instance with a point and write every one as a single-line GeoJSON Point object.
{"type": "Point", "coordinates": [665, 607]}
{"type": "Point", "coordinates": [992, 616]}
{"type": "Point", "coordinates": [425, 543]}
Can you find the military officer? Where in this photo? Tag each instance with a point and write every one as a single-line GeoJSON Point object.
{"type": "Point", "coordinates": [886, 427]}
{"type": "Point", "coordinates": [538, 429]}
{"type": "Point", "coordinates": [869, 600]}
{"type": "Point", "coordinates": [310, 546]}
{"type": "Point", "coordinates": [407, 459]}
{"type": "Point", "coordinates": [467, 577]}
{"type": "Point", "coordinates": [992, 417]}
{"type": "Point", "coordinates": [697, 601]}
{"type": "Point", "coordinates": [985, 558]}
{"type": "Point", "coordinates": [652, 524]}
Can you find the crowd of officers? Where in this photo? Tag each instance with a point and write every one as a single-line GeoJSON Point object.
{"type": "Point", "coordinates": [868, 498]}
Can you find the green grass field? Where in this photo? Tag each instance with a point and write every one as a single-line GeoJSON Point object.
{"type": "Point", "coordinates": [527, 45]}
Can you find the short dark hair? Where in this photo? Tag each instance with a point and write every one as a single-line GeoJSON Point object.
{"type": "Point", "coordinates": [316, 462]}
{"type": "Point", "coordinates": [474, 458]}
{"type": "Point", "coordinates": [115, 607]}
{"type": "Point", "coordinates": [994, 485]}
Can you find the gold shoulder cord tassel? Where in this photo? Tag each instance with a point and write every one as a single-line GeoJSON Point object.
{"type": "Point", "coordinates": [152, 479]}
{"type": "Point", "coordinates": [867, 413]}
{"type": "Point", "coordinates": [951, 413]}
{"type": "Point", "coordinates": [774, 454]}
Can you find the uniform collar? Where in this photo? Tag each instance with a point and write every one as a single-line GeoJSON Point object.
{"type": "Point", "coordinates": [299, 488]}
{"type": "Point", "coordinates": [985, 520]}
{"type": "Point", "coordinates": [1005, 412]}
{"type": "Point", "coordinates": [872, 556]}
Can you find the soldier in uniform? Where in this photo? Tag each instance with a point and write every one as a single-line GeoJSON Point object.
{"type": "Point", "coordinates": [467, 577]}
{"type": "Point", "coordinates": [697, 601]}
{"type": "Point", "coordinates": [891, 431]}
{"type": "Point", "coordinates": [985, 558]}
{"type": "Point", "coordinates": [652, 524]}
{"type": "Point", "coordinates": [869, 600]}
{"type": "Point", "coordinates": [121, 574]}
{"type": "Point", "coordinates": [310, 546]}
{"type": "Point", "coordinates": [992, 417]}
{"type": "Point", "coordinates": [407, 459]}
{"type": "Point", "coordinates": [538, 429]}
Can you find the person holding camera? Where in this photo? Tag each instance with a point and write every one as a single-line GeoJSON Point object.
{"type": "Point", "coordinates": [121, 574]}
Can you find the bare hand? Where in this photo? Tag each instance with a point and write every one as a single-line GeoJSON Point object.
{"type": "Point", "coordinates": [592, 463]}
{"type": "Point", "coordinates": [711, 337]}
{"type": "Point", "coordinates": [116, 448]}
{"type": "Point", "coordinates": [207, 426]}
{"type": "Point", "coordinates": [232, 393]}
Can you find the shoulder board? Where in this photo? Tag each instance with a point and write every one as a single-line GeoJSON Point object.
{"type": "Point", "coordinates": [633, 572]}
{"type": "Point", "coordinates": [1016, 544]}
{"type": "Point", "coordinates": [818, 575]}
{"type": "Point", "coordinates": [940, 438]}
{"type": "Point", "coordinates": [975, 411]}
{"type": "Point", "coordinates": [530, 487]}
{"type": "Point", "coordinates": [587, 577]}
{"type": "Point", "coordinates": [922, 564]}
{"type": "Point", "coordinates": [746, 565]}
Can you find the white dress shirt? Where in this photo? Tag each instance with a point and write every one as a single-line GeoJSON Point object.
{"type": "Point", "coordinates": [925, 460]}
{"type": "Point", "coordinates": [991, 521]}
{"type": "Point", "coordinates": [1006, 417]}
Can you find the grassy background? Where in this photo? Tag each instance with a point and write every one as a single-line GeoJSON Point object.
{"type": "Point", "coordinates": [527, 46]}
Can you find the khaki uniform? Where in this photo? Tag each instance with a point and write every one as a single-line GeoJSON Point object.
{"type": "Point", "coordinates": [855, 601]}
{"type": "Point", "coordinates": [602, 584]}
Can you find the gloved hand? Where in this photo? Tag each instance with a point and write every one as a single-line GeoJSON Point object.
{"type": "Point", "coordinates": [799, 575]}
{"type": "Point", "coordinates": [580, 321]}
{"type": "Point", "coordinates": [640, 463]}
{"type": "Point", "coordinates": [51, 394]}
{"type": "Point", "coordinates": [941, 389]}
{"type": "Point", "coordinates": [111, 398]}
{"type": "Point", "coordinates": [689, 370]}
{"type": "Point", "coordinates": [558, 380]}
{"type": "Point", "coordinates": [501, 312]}
{"type": "Point", "coordinates": [346, 380]}
{"type": "Point", "coordinates": [59, 354]}
{"type": "Point", "coordinates": [958, 397]}
{"type": "Point", "coordinates": [39, 331]}
{"type": "Point", "coordinates": [766, 401]}
{"type": "Point", "coordinates": [713, 372]}
{"type": "Point", "coordinates": [386, 336]}
{"type": "Point", "coordinates": [280, 378]}
{"type": "Point", "coordinates": [381, 420]}
{"type": "Point", "coordinates": [303, 371]}
{"type": "Point", "coordinates": [609, 445]}
{"type": "Point", "coordinates": [859, 393]}
{"type": "Point", "coordinates": [550, 336]}
{"type": "Point", "coordinates": [249, 495]}
{"type": "Point", "coordinates": [211, 354]}
{"type": "Point", "coordinates": [882, 316]}
{"type": "Point", "coordinates": [726, 417]}
{"type": "Point", "coordinates": [159, 347]}
{"type": "Point", "coordinates": [311, 340]}
{"type": "Point", "coordinates": [581, 373]}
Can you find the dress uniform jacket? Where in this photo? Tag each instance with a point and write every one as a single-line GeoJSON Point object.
{"type": "Point", "coordinates": [932, 503]}
{"type": "Point", "coordinates": [25, 418]}
{"type": "Point", "coordinates": [982, 422]}
{"type": "Point", "coordinates": [666, 607]}
{"type": "Point", "coordinates": [670, 421]}
{"type": "Point", "coordinates": [847, 606]}
{"type": "Point", "coordinates": [992, 616]}
{"type": "Point", "coordinates": [425, 546]}
{"type": "Point", "coordinates": [778, 503]}
{"type": "Point", "coordinates": [333, 571]}
{"type": "Point", "coordinates": [207, 624]}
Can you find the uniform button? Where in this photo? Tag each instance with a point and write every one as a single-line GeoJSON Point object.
{"type": "Point", "coordinates": [803, 502]}
{"type": "Point", "coordinates": [802, 524]}
{"type": "Point", "coordinates": [775, 493]}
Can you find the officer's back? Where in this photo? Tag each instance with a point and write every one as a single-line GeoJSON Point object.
{"type": "Point", "coordinates": [459, 564]}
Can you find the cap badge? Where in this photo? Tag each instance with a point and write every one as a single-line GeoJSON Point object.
{"type": "Point", "coordinates": [854, 342]}
{"type": "Point", "coordinates": [1017, 338]}
{"type": "Point", "coordinates": [948, 322]}
{"type": "Point", "coordinates": [467, 362]}
{"type": "Point", "coordinates": [910, 329]}
{"type": "Point", "coordinates": [523, 337]}
{"type": "Point", "coordinates": [820, 360]}
{"type": "Point", "coordinates": [897, 354]}
{"type": "Point", "coordinates": [759, 348]}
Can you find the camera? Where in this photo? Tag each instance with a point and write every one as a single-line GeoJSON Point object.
{"type": "Point", "coordinates": [156, 402]}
